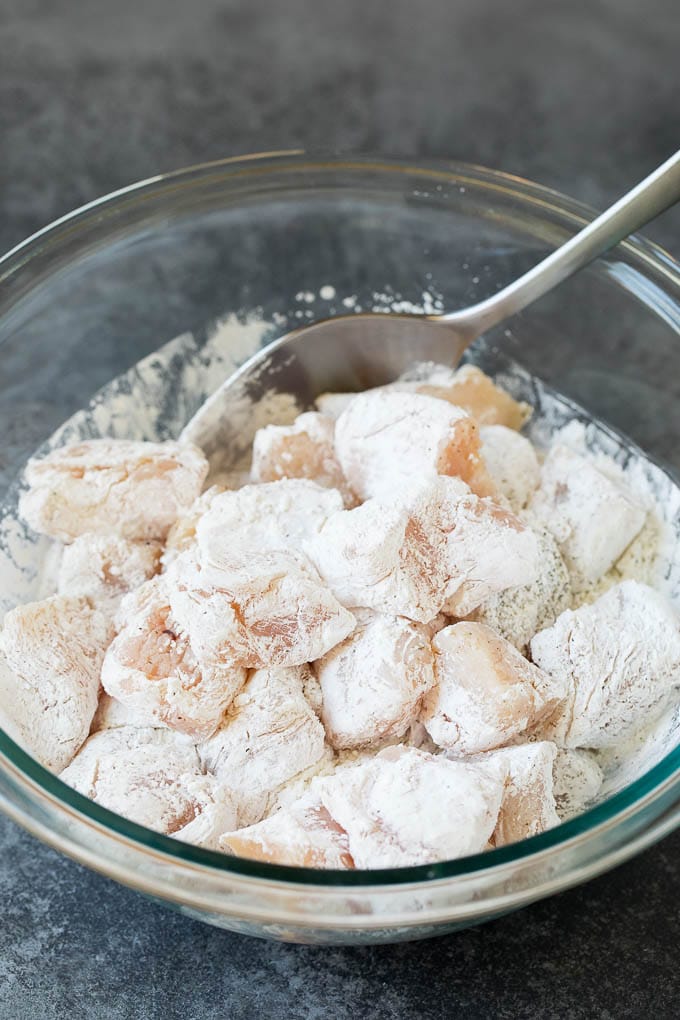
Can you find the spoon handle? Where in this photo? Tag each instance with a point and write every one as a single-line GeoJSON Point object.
{"type": "Point", "coordinates": [643, 203]}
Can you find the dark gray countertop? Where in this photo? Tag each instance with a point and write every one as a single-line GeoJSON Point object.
{"type": "Point", "coordinates": [580, 96]}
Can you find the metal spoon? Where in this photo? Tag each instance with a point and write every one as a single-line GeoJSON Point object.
{"type": "Point", "coordinates": [352, 352]}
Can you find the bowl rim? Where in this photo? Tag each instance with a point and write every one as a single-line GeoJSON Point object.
{"type": "Point", "coordinates": [613, 812]}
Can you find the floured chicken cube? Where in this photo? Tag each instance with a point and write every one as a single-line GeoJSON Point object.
{"type": "Point", "coordinates": [159, 668]}
{"type": "Point", "coordinates": [519, 613]}
{"type": "Point", "coordinates": [305, 449]}
{"type": "Point", "coordinates": [132, 489]}
{"type": "Point", "coordinates": [486, 693]}
{"type": "Point", "coordinates": [154, 778]}
{"type": "Point", "coordinates": [477, 394]}
{"type": "Point", "coordinates": [271, 610]}
{"type": "Point", "coordinates": [105, 567]}
{"type": "Point", "coordinates": [271, 517]}
{"type": "Point", "coordinates": [386, 439]}
{"type": "Point", "coordinates": [481, 548]}
{"type": "Point", "coordinates": [333, 404]}
{"type": "Point", "coordinates": [577, 779]}
{"type": "Point", "coordinates": [591, 515]}
{"type": "Point", "coordinates": [372, 684]}
{"type": "Point", "coordinates": [512, 463]}
{"type": "Point", "coordinates": [439, 548]}
{"type": "Point", "coordinates": [528, 805]}
{"type": "Point", "coordinates": [407, 807]}
{"type": "Point", "coordinates": [269, 736]}
{"type": "Point", "coordinates": [112, 713]}
{"type": "Point", "coordinates": [619, 660]}
{"type": "Point", "coordinates": [302, 834]}
{"type": "Point", "coordinates": [377, 556]}
{"type": "Point", "coordinates": [182, 534]}
{"type": "Point", "coordinates": [54, 650]}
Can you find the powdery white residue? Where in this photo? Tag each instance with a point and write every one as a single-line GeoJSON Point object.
{"type": "Point", "coordinates": [327, 292]}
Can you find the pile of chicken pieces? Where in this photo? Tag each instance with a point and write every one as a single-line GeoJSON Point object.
{"type": "Point", "coordinates": [376, 653]}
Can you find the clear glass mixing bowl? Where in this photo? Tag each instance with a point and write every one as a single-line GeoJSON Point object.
{"type": "Point", "coordinates": [87, 297]}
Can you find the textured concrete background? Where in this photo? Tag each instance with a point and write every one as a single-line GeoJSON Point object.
{"type": "Point", "coordinates": [581, 96]}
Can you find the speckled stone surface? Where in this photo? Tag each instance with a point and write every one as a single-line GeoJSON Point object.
{"type": "Point", "coordinates": [580, 96]}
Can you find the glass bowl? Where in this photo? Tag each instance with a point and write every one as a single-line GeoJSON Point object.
{"type": "Point", "coordinates": [291, 238]}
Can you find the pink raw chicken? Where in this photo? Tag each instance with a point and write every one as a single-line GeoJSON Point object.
{"type": "Point", "coordinates": [385, 439]}
{"type": "Point", "coordinates": [439, 548]}
{"type": "Point", "coordinates": [162, 670]}
{"type": "Point", "coordinates": [477, 394]}
{"type": "Point", "coordinates": [406, 807]}
{"type": "Point", "coordinates": [528, 805]}
{"type": "Point", "coordinates": [303, 835]}
{"type": "Point", "coordinates": [304, 449]}
{"type": "Point", "coordinates": [269, 736]}
{"type": "Point", "coordinates": [272, 610]}
{"type": "Point", "coordinates": [104, 568]}
{"type": "Point", "coordinates": [153, 777]}
{"type": "Point", "coordinates": [373, 682]}
{"type": "Point", "coordinates": [486, 693]}
{"type": "Point", "coordinates": [54, 650]}
{"type": "Point", "coordinates": [619, 660]}
{"type": "Point", "coordinates": [132, 489]}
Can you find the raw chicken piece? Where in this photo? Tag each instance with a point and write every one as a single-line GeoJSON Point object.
{"type": "Point", "coordinates": [269, 735]}
{"type": "Point", "coordinates": [378, 557]}
{"type": "Point", "coordinates": [519, 613]}
{"type": "Point", "coordinates": [112, 714]}
{"type": "Point", "coordinates": [104, 568]}
{"type": "Point", "coordinates": [54, 650]}
{"type": "Point", "coordinates": [304, 449]}
{"type": "Point", "coordinates": [512, 463]}
{"type": "Point", "coordinates": [271, 611]}
{"type": "Point", "coordinates": [163, 670]}
{"type": "Point", "coordinates": [154, 778]}
{"type": "Point", "coordinates": [481, 548]}
{"type": "Point", "coordinates": [486, 693]}
{"type": "Point", "coordinates": [439, 547]}
{"type": "Point", "coordinates": [619, 659]}
{"type": "Point", "coordinates": [528, 805]}
{"type": "Point", "coordinates": [591, 516]}
{"type": "Point", "coordinates": [385, 439]}
{"type": "Point", "coordinates": [132, 489]}
{"type": "Point", "coordinates": [303, 834]}
{"type": "Point", "coordinates": [477, 394]}
{"type": "Point", "coordinates": [333, 404]}
{"type": "Point", "coordinates": [577, 779]}
{"type": "Point", "coordinates": [407, 807]}
{"type": "Point", "coordinates": [271, 517]}
{"type": "Point", "coordinates": [372, 684]}
{"type": "Point", "coordinates": [182, 534]}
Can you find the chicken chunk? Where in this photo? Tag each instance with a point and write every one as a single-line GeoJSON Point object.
{"type": "Point", "coordinates": [373, 682]}
{"type": "Point", "coordinates": [577, 779]}
{"type": "Point", "coordinates": [269, 736]}
{"type": "Point", "coordinates": [486, 693]}
{"type": "Point", "coordinates": [54, 650]}
{"type": "Point", "coordinates": [132, 489]}
{"type": "Point", "coordinates": [105, 567]}
{"type": "Point", "coordinates": [159, 668]}
{"type": "Point", "coordinates": [272, 611]}
{"type": "Point", "coordinates": [303, 834]}
{"type": "Point", "coordinates": [481, 548]}
{"type": "Point", "coordinates": [182, 534]}
{"type": "Point", "coordinates": [519, 613]}
{"type": "Point", "coordinates": [619, 659]}
{"type": "Point", "coordinates": [479, 396]}
{"type": "Point", "coordinates": [512, 463]}
{"type": "Point", "coordinates": [154, 778]}
{"type": "Point", "coordinates": [407, 807]}
{"type": "Point", "coordinates": [305, 449]}
{"type": "Point", "coordinates": [385, 439]}
{"type": "Point", "coordinates": [528, 805]}
{"type": "Point", "coordinates": [591, 515]}
{"type": "Point", "coordinates": [376, 556]}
